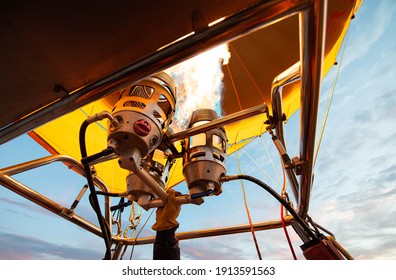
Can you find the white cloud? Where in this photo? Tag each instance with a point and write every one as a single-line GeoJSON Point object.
{"type": "Point", "coordinates": [368, 34]}
{"type": "Point", "coordinates": [29, 248]}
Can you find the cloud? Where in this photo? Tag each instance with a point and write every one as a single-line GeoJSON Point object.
{"type": "Point", "coordinates": [27, 205]}
{"type": "Point", "coordinates": [23, 247]}
{"type": "Point", "coordinates": [34, 212]}
{"type": "Point", "coordinates": [360, 212]}
{"type": "Point", "coordinates": [210, 249]}
{"type": "Point", "coordinates": [386, 101]}
{"type": "Point", "coordinates": [229, 247]}
{"type": "Point", "coordinates": [368, 34]}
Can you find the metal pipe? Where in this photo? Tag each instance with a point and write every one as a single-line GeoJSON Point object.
{"type": "Point", "coordinates": [238, 116]}
{"type": "Point", "coordinates": [103, 115]}
{"type": "Point", "coordinates": [29, 165]}
{"type": "Point", "coordinates": [117, 251]}
{"type": "Point", "coordinates": [290, 75]}
{"type": "Point", "coordinates": [291, 175]}
{"type": "Point", "coordinates": [132, 162]}
{"type": "Point", "coordinates": [312, 38]}
{"type": "Point", "coordinates": [151, 183]}
{"type": "Point", "coordinates": [211, 232]}
{"type": "Point", "coordinates": [46, 203]}
{"type": "Point", "coordinates": [182, 199]}
{"type": "Point", "coordinates": [25, 166]}
{"type": "Point", "coordinates": [241, 23]}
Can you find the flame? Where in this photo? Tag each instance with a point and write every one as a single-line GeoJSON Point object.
{"type": "Point", "coordinates": [199, 84]}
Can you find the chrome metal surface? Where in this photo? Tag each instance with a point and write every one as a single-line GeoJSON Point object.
{"type": "Point", "coordinates": [181, 199]}
{"type": "Point", "coordinates": [287, 77]}
{"type": "Point", "coordinates": [312, 32]}
{"type": "Point", "coordinates": [251, 112]}
{"type": "Point", "coordinates": [43, 201]}
{"type": "Point", "coordinates": [211, 232]}
{"type": "Point", "coordinates": [48, 204]}
{"type": "Point", "coordinates": [25, 166]}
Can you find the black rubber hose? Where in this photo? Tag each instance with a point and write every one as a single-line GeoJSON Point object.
{"type": "Point", "coordinates": [120, 206]}
{"type": "Point", "coordinates": [110, 194]}
{"type": "Point", "coordinates": [277, 196]}
{"type": "Point", "coordinates": [93, 198]}
{"type": "Point", "coordinates": [87, 160]}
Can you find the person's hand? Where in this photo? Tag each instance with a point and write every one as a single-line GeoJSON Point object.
{"type": "Point", "coordinates": [166, 216]}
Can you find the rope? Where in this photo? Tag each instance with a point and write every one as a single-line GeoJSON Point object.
{"type": "Point", "coordinates": [134, 220]}
{"type": "Point", "coordinates": [235, 90]}
{"type": "Point", "coordinates": [259, 166]}
{"type": "Point", "coordinates": [144, 225]}
{"type": "Point", "coordinates": [283, 217]}
{"type": "Point", "coordinates": [331, 96]}
{"type": "Point", "coordinates": [248, 212]}
{"type": "Point", "coordinates": [270, 157]}
{"type": "Point", "coordinates": [247, 71]}
{"type": "Point", "coordinates": [246, 205]}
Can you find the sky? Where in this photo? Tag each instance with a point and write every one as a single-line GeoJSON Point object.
{"type": "Point", "coordinates": [354, 185]}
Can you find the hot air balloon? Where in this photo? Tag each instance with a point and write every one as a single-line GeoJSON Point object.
{"type": "Point", "coordinates": [95, 89]}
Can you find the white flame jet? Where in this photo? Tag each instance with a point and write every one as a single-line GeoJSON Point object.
{"type": "Point", "coordinates": [199, 84]}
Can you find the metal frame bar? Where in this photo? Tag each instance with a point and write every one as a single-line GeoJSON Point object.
{"type": "Point", "coordinates": [211, 232]}
{"type": "Point", "coordinates": [48, 204]}
{"type": "Point", "coordinates": [229, 119]}
{"type": "Point", "coordinates": [285, 78]}
{"type": "Point", "coordinates": [39, 199]}
{"type": "Point", "coordinates": [312, 39]}
{"type": "Point", "coordinates": [289, 76]}
{"type": "Point", "coordinates": [309, 71]}
{"type": "Point", "coordinates": [312, 23]}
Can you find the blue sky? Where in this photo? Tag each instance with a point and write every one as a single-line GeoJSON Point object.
{"type": "Point", "coordinates": [353, 194]}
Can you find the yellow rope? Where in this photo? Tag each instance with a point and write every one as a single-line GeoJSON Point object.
{"type": "Point", "coordinates": [260, 167]}
{"type": "Point", "coordinates": [331, 97]}
{"type": "Point", "coordinates": [269, 156]}
{"type": "Point", "coordinates": [247, 210]}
